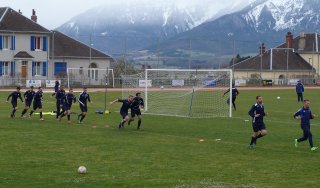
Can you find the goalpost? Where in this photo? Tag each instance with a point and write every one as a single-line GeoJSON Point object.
{"type": "Point", "coordinates": [90, 77]}
{"type": "Point", "coordinates": [182, 92]}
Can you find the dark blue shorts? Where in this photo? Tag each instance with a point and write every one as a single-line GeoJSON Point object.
{"type": "Point", "coordinates": [14, 104]}
{"type": "Point", "coordinates": [258, 126]}
{"type": "Point", "coordinates": [135, 112]}
{"type": "Point", "coordinates": [124, 113]}
{"type": "Point", "coordinates": [83, 108]}
{"type": "Point", "coordinates": [66, 107]}
{"type": "Point", "coordinates": [28, 103]}
{"type": "Point", "coordinates": [37, 105]}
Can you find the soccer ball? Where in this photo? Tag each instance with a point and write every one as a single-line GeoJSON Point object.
{"type": "Point", "coordinates": [82, 170]}
{"type": "Point", "coordinates": [107, 112]}
{"type": "Point", "coordinates": [278, 97]}
{"type": "Point", "coordinates": [161, 87]}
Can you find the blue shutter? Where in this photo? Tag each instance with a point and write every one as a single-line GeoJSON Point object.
{"type": "Point", "coordinates": [32, 43]}
{"type": "Point", "coordinates": [60, 67]}
{"type": "Point", "coordinates": [44, 68]}
{"type": "Point", "coordinates": [1, 45]}
{"type": "Point", "coordinates": [13, 42]}
{"type": "Point", "coordinates": [0, 68]}
{"type": "Point", "coordinates": [44, 43]}
{"type": "Point", "coordinates": [33, 72]}
{"type": "Point", "coordinates": [12, 69]}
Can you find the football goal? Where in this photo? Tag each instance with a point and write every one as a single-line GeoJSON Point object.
{"type": "Point", "coordinates": [182, 92]}
{"type": "Point", "coordinates": [78, 77]}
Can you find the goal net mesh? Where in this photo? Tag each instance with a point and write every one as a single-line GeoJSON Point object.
{"type": "Point", "coordinates": [186, 93]}
{"type": "Point", "coordinates": [78, 77]}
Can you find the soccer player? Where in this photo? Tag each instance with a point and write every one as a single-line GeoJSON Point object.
{"type": "Point", "coordinates": [67, 101]}
{"type": "Point", "coordinates": [14, 101]}
{"type": "Point", "coordinates": [59, 95]}
{"type": "Point", "coordinates": [126, 104]}
{"type": "Point", "coordinates": [305, 114]}
{"type": "Point", "coordinates": [28, 97]}
{"type": "Point", "coordinates": [56, 87]}
{"type": "Point", "coordinates": [137, 102]}
{"type": "Point", "coordinates": [83, 98]}
{"type": "Point", "coordinates": [257, 113]}
{"type": "Point", "coordinates": [37, 103]}
{"type": "Point", "coordinates": [235, 93]}
{"type": "Point", "coordinates": [299, 91]}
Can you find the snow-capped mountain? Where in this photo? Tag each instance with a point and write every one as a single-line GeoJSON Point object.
{"type": "Point", "coordinates": [131, 26]}
{"type": "Point", "coordinates": [262, 21]}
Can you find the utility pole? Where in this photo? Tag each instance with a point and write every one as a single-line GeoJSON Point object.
{"type": "Point", "coordinates": [190, 54]}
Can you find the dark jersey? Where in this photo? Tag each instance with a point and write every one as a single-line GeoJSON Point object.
{"type": "Point", "coordinates": [56, 86]}
{"type": "Point", "coordinates": [305, 115]}
{"type": "Point", "coordinates": [125, 105]}
{"type": "Point", "coordinates": [83, 98]}
{"type": "Point", "coordinates": [68, 99]}
{"type": "Point", "coordinates": [60, 94]}
{"type": "Point", "coordinates": [28, 95]}
{"type": "Point", "coordinates": [234, 91]}
{"type": "Point", "coordinates": [136, 103]}
{"type": "Point", "coordinates": [38, 97]}
{"type": "Point", "coordinates": [257, 109]}
{"type": "Point", "coordinates": [15, 95]}
{"type": "Point", "coordinates": [299, 88]}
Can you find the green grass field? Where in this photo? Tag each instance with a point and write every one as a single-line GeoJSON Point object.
{"type": "Point", "coordinates": [166, 152]}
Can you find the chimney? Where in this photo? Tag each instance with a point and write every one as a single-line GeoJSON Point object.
{"type": "Point", "coordinates": [34, 17]}
{"type": "Point", "coordinates": [20, 11]}
{"type": "Point", "coordinates": [289, 40]}
{"type": "Point", "coordinates": [262, 48]}
{"type": "Point", "coordinates": [302, 41]}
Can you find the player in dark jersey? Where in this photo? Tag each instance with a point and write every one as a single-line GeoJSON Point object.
{"type": "Point", "coordinates": [59, 95]}
{"type": "Point", "coordinates": [305, 114]}
{"type": "Point", "coordinates": [56, 87]}
{"type": "Point", "coordinates": [259, 129]}
{"type": "Point", "coordinates": [14, 101]}
{"type": "Point", "coordinates": [83, 98]}
{"type": "Point", "coordinates": [37, 103]}
{"type": "Point", "coordinates": [126, 104]}
{"type": "Point", "coordinates": [137, 102]}
{"type": "Point", "coordinates": [28, 97]}
{"type": "Point", "coordinates": [234, 94]}
{"type": "Point", "coordinates": [67, 101]}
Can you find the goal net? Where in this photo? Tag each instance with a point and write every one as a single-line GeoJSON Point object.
{"type": "Point", "coordinates": [182, 92]}
{"type": "Point", "coordinates": [78, 77]}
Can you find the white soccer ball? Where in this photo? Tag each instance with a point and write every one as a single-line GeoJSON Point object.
{"type": "Point", "coordinates": [82, 170]}
{"type": "Point", "coordinates": [278, 97]}
{"type": "Point", "coordinates": [161, 87]}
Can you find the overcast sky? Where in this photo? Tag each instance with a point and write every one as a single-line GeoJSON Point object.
{"type": "Point", "coordinates": [53, 13]}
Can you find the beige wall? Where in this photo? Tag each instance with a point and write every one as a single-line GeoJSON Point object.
{"type": "Point", "coordinates": [313, 59]}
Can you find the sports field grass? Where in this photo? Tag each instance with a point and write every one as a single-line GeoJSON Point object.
{"type": "Point", "coordinates": [166, 152]}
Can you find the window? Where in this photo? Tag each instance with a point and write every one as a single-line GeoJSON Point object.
{"type": "Point", "coordinates": [81, 71]}
{"type": "Point", "coordinates": [38, 43]}
{"type": "Point", "coordinates": [37, 68]}
{"type": "Point", "coordinates": [5, 70]}
{"type": "Point", "coordinates": [93, 73]}
{"type": "Point", "coordinates": [6, 42]}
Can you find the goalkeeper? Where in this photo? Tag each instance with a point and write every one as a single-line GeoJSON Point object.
{"type": "Point", "coordinates": [135, 109]}
{"type": "Point", "coordinates": [235, 93]}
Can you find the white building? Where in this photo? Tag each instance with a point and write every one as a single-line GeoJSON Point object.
{"type": "Point", "coordinates": [29, 51]}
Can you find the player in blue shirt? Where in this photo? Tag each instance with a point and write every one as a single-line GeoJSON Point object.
{"type": "Point", "coordinates": [37, 103]}
{"type": "Point", "coordinates": [83, 98]}
{"type": "Point", "coordinates": [305, 114]}
{"type": "Point", "coordinates": [14, 101]}
{"type": "Point", "coordinates": [137, 102]}
{"type": "Point", "coordinates": [59, 95]}
{"type": "Point", "coordinates": [56, 87]}
{"type": "Point", "coordinates": [67, 101]}
{"type": "Point", "coordinates": [299, 91]}
{"type": "Point", "coordinates": [28, 97]}
{"type": "Point", "coordinates": [126, 104]}
{"type": "Point", "coordinates": [234, 94]}
{"type": "Point", "coordinates": [259, 129]}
